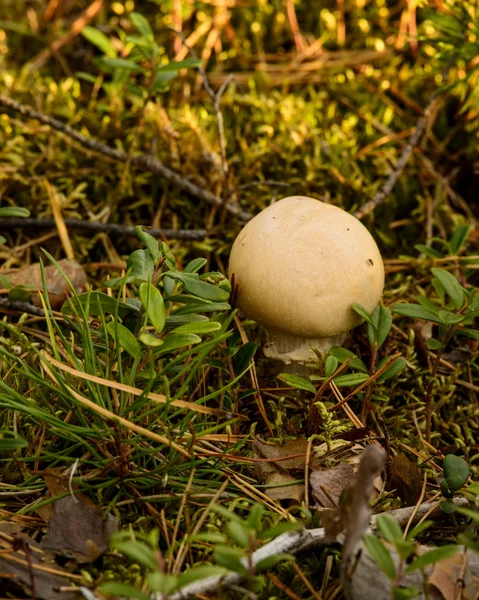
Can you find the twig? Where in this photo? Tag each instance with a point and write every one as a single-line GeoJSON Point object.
{"type": "Point", "coordinates": [145, 161]}
{"type": "Point", "coordinates": [406, 153]}
{"type": "Point", "coordinates": [24, 307]}
{"type": "Point", "coordinates": [95, 226]}
{"type": "Point", "coordinates": [398, 169]}
{"type": "Point", "coordinates": [215, 98]}
{"type": "Point", "coordinates": [294, 542]}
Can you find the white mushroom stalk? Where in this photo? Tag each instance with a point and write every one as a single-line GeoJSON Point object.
{"type": "Point", "coordinates": [298, 266]}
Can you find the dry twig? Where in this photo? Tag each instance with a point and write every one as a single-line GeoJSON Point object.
{"type": "Point", "coordinates": [8, 223]}
{"type": "Point", "coordinates": [145, 161]}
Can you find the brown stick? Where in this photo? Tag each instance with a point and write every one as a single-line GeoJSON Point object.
{"type": "Point", "coordinates": [8, 223]}
{"type": "Point", "coordinates": [148, 162]}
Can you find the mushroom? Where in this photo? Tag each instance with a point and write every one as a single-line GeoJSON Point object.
{"type": "Point", "coordinates": [298, 266]}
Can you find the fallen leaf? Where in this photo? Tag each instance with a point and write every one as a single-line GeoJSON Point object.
{"type": "Point", "coordinates": [36, 579]}
{"type": "Point", "coordinates": [287, 491]}
{"type": "Point", "coordinates": [328, 484]}
{"type": "Point", "coordinates": [406, 479]}
{"type": "Point", "coordinates": [58, 288]}
{"type": "Point", "coordinates": [282, 464]}
{"type": "Point", "coordinates": [76, 526]}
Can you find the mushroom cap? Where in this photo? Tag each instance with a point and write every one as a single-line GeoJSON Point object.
{"type": "Point", "coordinates": [300, 264]}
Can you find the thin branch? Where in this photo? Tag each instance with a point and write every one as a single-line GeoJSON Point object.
{"type": "Point", "coordinates": [415, 138]}
{"type": "Point", "coordinates": [299, 541]}
{"type": "Point", "coordinates": [387, 188]}
{"type": "Point", "coordinates": [145, 161]}
{"type": "Point", "coordinates": [94, 226]}
{"type": "Point", "coordinates": [215, 98]}
{"type": "Point", "coordinates": [23, 307]}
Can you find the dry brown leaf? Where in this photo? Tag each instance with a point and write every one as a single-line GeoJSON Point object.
{"type": "Point", "coordinates": [76, 526]}
{"type": "Point", "coordinates": [20, 566]}
{"type": "Point", "coordinates": [284, 492]}
{"type": "Point", "coordinates": [406, 479]}
{"type": "Point", "coordinates": [58, 289]}
{"type": "Point", "coordinates": [448, 572]}
{"type": "Point", "coordinates": [328, 484]}
{"type": "Point", "coordinates": [288, 456]}
{"type": "Point", "coordinates": [280, 462]}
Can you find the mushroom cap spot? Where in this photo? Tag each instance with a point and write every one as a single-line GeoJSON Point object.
{"type": "Point", "coordinates": [300, 264]}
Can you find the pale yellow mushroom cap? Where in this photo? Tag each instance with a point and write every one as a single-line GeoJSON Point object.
{"type": "Point", "coordinates": [300, 264]}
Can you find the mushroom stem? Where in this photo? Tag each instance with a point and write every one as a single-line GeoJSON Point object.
{"type": "Point", "coordinates": [290, 348]}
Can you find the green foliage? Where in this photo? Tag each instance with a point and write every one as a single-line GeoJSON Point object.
{"type": "Point", "coordinates": [406, 549]}
{"type": "Point", "coordinates": [232, 552]}
{"type": "Point", "coordinates": [454, 315]}
{"type": "Point", "coordinates": [144, 73]}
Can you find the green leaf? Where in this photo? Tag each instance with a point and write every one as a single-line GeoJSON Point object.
{"type": "Point", "coordinates": [162, 583]}
{"type": "Point", "coordinates": [416, 312]}
{"type": "Point", "coordinates": [150, 340]}
{"type": "Point", "coordinates": [405, 593]}
{"type": "Point", "coordinates": [140, 265]}
{"type": "Point", "coordinates": [141, 23]}
{"type": "Point", "coordinates": [342, 354]}
{"type": "Point", "coordinates": [201, 327]}
{"type": "Point", "coordinates": [389, 528]}
{"type": "Point", "coordinates": [330, 366]}
{"type": "Point", "coordinates": [154, 305]}
{"type": "Point", "coordinates": [382, 323]}
{"type": "Point", "coordinates": [229, 558]}
{"type": "Point", "coordinates": [123, 590]}
{"type": "Point", "coordinates": [381, 555]}
{"type": "Point", "coordinates": [451, 286]}
{"type": "Point", "coordinates": [3, 240]}
{"type": "Point", "coordinates": [175, 341]}
{"type": "Point", "coordinates": [150, 242]}
{"type": "Point", "coordinates": [362, 312]}
{"type": "Point", "coordinates": [459, 238]}
{"type": "Point", "coordinates": [469, 333]}
{"type": "Point", "coordinates": [427, 251]}
{"type": "Point", "coordinates": [456, 471]}
{"type": "Point", "coordinates": [122, 63]}
{"type": "Point", "coordinates": [350, 380]}
{"type": "Point", "coordinates": [177, 65]}
{"type": "Point", "coordinates": [255, 515]}
{"type": "Point", "coordinates": [297, 382]}
{"type": "Point", "coordinates": [473, 488]}
{"type": "Point", "coordinates": [199, 573]}
{"type": "Point", "coordinates": [432, 557]}
{"type": "Point", "coordinates": [98, 303]}
{"type": "Point", "coordinates": [244, 356]}
{"type": "Point", "coordinates": [448, 507]}
{"type": "Point", "coordinates": [100, 40]}
{"type": "Point", "coordinates": [11, 443]}
{"type": "Point", "coordinates": [125, 338]}
{"type": "Point", "coordinates": [239, 532]}
{"type": "Point", "coordinates": [469, 540]}
{"type": "Point", "coordinates": [199, 288]}
{"type": "Point", "coordinates": [450, 318]}
{"type": "Point", "coordinates": [434, 344]}
{"type": "Point", "coordinates": [394, 369]}
{"type": "Point", "coordinates": [272, 561]}
{"type": "Point", "coordinates": [195, 265]}
{"type": "Point", "coordinates": [14, 211]}
{"type": "Point", "coordinates": [138, 551]}
{"type": "Point", "coordinates": [467, 512]}
{"type": "Point", "coordinates": [208, 307]}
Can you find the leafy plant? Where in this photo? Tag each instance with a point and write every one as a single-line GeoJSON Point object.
{"type": "Point", "coordinates": [408, 560]}
{"type": "Point", "coordinates": [140, 67]}
{"type": "Point", "coordinates": [232, 552]}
